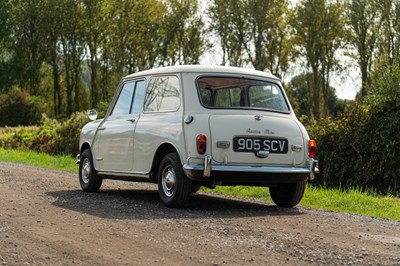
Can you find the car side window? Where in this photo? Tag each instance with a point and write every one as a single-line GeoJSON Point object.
{"type": "Point", "coordinates": [163, 94]}
{"type": "Point", "coordinates": [130, 99]}
{"type": "Point", "coordinates": [139, 96]}
{"type": "Point", "coordinates": [123, 104]}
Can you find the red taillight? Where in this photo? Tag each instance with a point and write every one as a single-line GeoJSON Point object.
{"type": "Point", "coordinates": [312, 148]}
{"type": "Point", "coordinates": [201, 142]}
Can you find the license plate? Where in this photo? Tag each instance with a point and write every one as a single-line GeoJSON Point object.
{"type": "Point", "coordinates": [251, 144]}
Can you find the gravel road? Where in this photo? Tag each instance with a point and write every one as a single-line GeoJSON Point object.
{"type": "Point", "coordinates": [45, 219]}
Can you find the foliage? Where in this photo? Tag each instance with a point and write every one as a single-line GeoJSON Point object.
{"type": "Point", "coordinates": [320, 33]}
{"type": "Point", "coordinates": [102, 39]}
{"type": "Point", "coordinates": [6, 73]}
{"type": "Point", "coordinates": [50, 136]}
{"type": "Point", "coordinates": [365, 20]}
{"type": "Point", "coordinates": [301, 102]}
{"type": "Point", "coordinates": [19, 108]}
{"type": "Point", "coordinates": [253, 35]}
{"type": "Point", "coordinates": [361, 148]}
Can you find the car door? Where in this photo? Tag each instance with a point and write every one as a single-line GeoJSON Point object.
{"type": "Point", "coordinates": [115, 135]}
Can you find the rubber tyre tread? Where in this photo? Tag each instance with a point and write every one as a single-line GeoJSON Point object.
{"type": "Point", "coordinates": [288, 195]}
{"type": "Point", "coordinates": [182, 193]}
{"type": "Point", "coordinates": [95, 181]}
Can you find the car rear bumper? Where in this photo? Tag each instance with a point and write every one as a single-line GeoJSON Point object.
{"type": "Point", "coordinates": [243, 174]}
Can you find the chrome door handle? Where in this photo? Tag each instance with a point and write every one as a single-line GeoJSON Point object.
{"type": "Point", "coordinates": [131, 120]}
{"type": "Point", "coordinates": [101, 128]}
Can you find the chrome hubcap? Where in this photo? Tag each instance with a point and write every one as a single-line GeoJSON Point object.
{"type": "Point", "coordinates": [86, 168]}
{"type": "Point", "coordinates": [168, 181]}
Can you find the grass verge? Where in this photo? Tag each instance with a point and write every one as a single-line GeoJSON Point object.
{"type": "Point", "coordinates": [352, 201]}
{"type": "Point", "coordinates": [59, 162]}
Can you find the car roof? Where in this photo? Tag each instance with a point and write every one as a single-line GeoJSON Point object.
{"type": "Point", "coordinates": [202, 69]}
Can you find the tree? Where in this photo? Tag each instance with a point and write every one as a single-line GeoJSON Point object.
{"type": "Point", "coordinates": [319, 34]}
{"type": "Point", "coordinates": [365, 22]}
{"type": "Point", "coordinates": [6, 73]}
{"type": "Point", "coordinates": [130, 31]}
{"type": "Point", "coordinates": [301, 102]}
{"type": "Point", "coordinates": [258, 34]}
{"type": "Point", "coordinates": [94, 38]}
{"type": "Point", "coordinates": [182, 33]}
{"type": "Point", "coordinates": [228, 26]}
{"type": "Point", "coordinates": [28, 41]}
{"type": "Point", "coordinates": [299, 91]}
{"type": "Point", "coordinates": [72, 47]}
{"type": "Point", "coordinates": [388, 43]}
{"type": "Point", "coordinates": [54, 22]}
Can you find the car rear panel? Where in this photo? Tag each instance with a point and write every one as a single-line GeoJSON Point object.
{"type": "Point", "coordinates": [263, 138]}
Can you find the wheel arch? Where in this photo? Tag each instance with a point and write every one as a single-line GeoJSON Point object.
{"type": "Point", "coordinates": [86, 145]}
{"type": "Point", "coordinates": [162, 150]}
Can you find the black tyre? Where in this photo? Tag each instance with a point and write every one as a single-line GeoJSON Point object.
{"type": "Point", "coordinates": [88, 176]}
{"type": "Point", "coordinates": [174, 187]}
{"type": "Point", "coordinates": [195, 188]}
{"type": "Point", "coordinates": [288, 195]}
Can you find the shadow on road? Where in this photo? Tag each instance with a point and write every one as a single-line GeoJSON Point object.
{"type": "Point", "coordinates": [145, 204]}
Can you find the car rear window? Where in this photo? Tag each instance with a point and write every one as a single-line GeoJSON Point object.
{"type": "Point", "coordinates": [233, 92]}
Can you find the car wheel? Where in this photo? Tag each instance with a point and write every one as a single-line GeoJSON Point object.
{"type": "Point", "coordinates": [288, 195]}
{"type": "Point", "coordinates": [174, 187]}
{"type": "Point", "coordinates": [88, 176]}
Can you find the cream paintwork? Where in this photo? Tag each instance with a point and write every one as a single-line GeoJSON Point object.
{"type": "Point", "coordinates": [235, 122]}
{"type": "Point", "coordinates": [115, 139]}
{"type": "Point", "coordinates": [154, 129]}
{"type": "Point", "coordinates": [227, 125]}
{"type": "Point", "coordinates": [87, 136]}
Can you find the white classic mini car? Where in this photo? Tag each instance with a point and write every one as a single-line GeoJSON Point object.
{"type": "Point", "coordinates": [184, 127]}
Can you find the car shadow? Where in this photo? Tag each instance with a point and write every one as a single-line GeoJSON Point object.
{"type": "Point", "coordinates": [145, 204]}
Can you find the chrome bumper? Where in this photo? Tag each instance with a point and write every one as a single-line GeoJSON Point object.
{"type": "Point", "coordinates": [207, 168]}
{"type": "Point", "coordinates": [78, 159]}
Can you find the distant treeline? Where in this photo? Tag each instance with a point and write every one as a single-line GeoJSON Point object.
{"type": "Point", "coordinates": [62, 56]}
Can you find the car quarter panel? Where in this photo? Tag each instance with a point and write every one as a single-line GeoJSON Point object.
{"type": "Point", "coordinates": [153, 130]}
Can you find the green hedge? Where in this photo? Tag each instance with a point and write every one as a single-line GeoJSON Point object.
{"type": "Point", "coordinates": [362, 148]}
{"type": "Point", "coordinates": [51, 136]}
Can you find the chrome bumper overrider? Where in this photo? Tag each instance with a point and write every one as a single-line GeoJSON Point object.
{"type": "Point", "coordinates": [78, 159]}
{"type": "Point", "coordinates": [207, 168]}
{"type": "Point", "coordinates": [313, 168]}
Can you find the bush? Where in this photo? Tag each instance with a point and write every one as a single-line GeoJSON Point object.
{"type": "Point", "coordinates": [51, 136]}
{"type": "Point", "coordinates": [362, 148]}
{"type": "Point", "coordinates": [18, 108]}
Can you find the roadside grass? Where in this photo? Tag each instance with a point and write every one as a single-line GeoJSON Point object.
{"type": "Point", "coordinates": [59, 162]}
{"type": "Point", "coordinates": [353, 201]}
